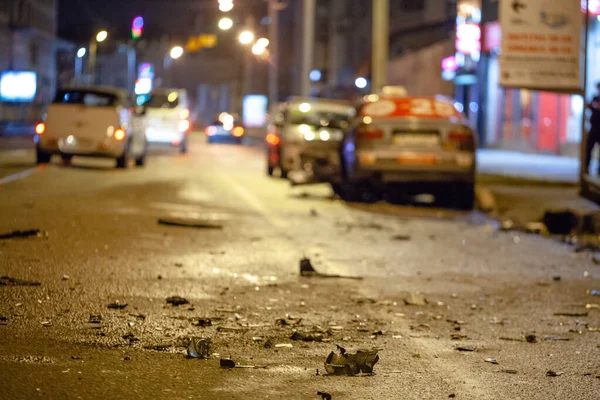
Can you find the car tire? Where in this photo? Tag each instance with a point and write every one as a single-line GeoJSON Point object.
{"type": "Point", "coordinates": [66, 158]}
{"type": "Point", "coordinates": [123, 160]}
{"type": "Point", "coordinates": [183, 147]}
{"type": "Point", "coordinates": [41, 157]}
{"type": "Point", "coordinates": [465, 196]}
{"type": "Point", "coordinates": [283, 173]}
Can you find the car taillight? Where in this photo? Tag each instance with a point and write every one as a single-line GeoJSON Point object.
{"type": "Point", "coordinates": [369, 132]}
{"type": "Point", "coordinates": [183, 114]}
{"type": "Point", "coordinates": [119, 134]}
{"type": "Point", "coordinates": [272, 139]}
{"type": "Point", "coordinates": [40, 128]}
{"type": "Point", "coordinates": [211, 130]}
{"type": "Point", "coordinates": [238, 131]}
{"type": "Point", "coordinates": [461, 139]}
{"type": "Point", "coordinates": [183, 125]}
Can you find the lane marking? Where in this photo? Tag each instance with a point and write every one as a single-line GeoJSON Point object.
{"type": "Point", "coordinates": [21, 175]}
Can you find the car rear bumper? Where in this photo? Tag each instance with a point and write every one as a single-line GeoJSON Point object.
{"type": "Point", "coordinates": [82, 147]}
{"type": "Point", "coordinates": [164, 136]}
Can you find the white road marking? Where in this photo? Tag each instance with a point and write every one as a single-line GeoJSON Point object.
{"type": "Point", "coordinates": [20, 175]}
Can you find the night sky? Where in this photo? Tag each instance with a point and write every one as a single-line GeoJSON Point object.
{"type": "Point", "coordinates": [78, 20]}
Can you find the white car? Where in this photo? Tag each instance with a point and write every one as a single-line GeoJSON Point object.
{"type": "Point", "coordinates": [91, 121]}
{"type": "Point", "coordinates": [167, 118]}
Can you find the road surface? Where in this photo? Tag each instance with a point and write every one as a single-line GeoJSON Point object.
{"type": "Point", "coordinates": [101, 244]}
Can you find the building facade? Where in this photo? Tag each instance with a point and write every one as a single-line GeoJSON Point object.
{"type": "Point", "coordinates": [28, 43]}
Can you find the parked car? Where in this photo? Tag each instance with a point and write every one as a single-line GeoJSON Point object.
{"type": "Point", "coordinates": [227, 128]}
{"type": "Point", "coordinates": [409, 141]}
{"type": "Point", "coordinates": [305, 127]}
{"type": "Point", "coordinates": [167, 113]}
{"type": "Point", "coordinates": [91, 121]}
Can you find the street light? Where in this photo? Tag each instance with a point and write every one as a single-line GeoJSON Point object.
{"type": "Point", "coordinates": [100, 37]}
{"type": "Point", "coordinates": [225, 24]}
{"type": "Point", "coordinates": [176, 52]}
{"type": "Point", "coordinates": [81, 52]}
{"type": "Point", "coordinates": [263, 42]}
{"type": "Point", "coordinates": [246, 37]}
{"type": "Point", "coordinates": [361, 82]}
{"type": "Point", "coordinates": [79, 63]}
{"type": "Point", "coordinates": [225, 5]}
{"type": "Point", "coordinates": [257, 49]}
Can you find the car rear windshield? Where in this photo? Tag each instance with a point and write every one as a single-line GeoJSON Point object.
{"type": "Point", "coordinates": [163, 100]}
{"type": "Point", "coordinates": [88, 98]}
{"type": "Point", "coordinates": [319, 119]}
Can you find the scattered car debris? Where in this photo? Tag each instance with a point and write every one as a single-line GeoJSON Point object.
{"type": "Point", "coordinates": [451, 395]}
{"type": "Point", "coordinates": [401, 238]}
{"type": "Point", "coordinates": [130, 338]}
{"type": "Point", "coordinates": [560, 222]}
{"type": "Point", "coordinates": [288, 321]}
{"type": "Point", "coordinates": [8, 281]}
{"type": "Point", "coordinates": [307, 337]}
{"type": "Point", "coordinates": [553, 373]}
{"type": "Point", "coordinates": [531, 338]}
{"type": "Point", "coordinates": [306, 269]}
{"type": "Point", "coordinates": [344, 363]}
{"type": "Point", "coordinates": [415, 299]}
{"type": "Point", "coordinates": [76, 358]}
{"type": "Point", "coordinates": [279, 345]}
{"type": "Point", "coordinates": [46, 324]}
{"type": "Point", "coordinates": [117, 306]}
{"type": "Point", "coordinates": [227, 363]}
{"type": "Point", "coordinates": [456, 336]}
{"type": "Point", "coordinates": [571, 314]}
{"type": "Point", "coordinates": [557, 338]}
{"type": "Point", "coordinates": [491, 360]}
{"type": "Point", "coordinates": [324, 395]}
{"type": "Point", "coordinates": [177, 301]}
{"type": "Point", "coordinates": [508, 371]}
{"type": "Point", "coordinates": [95, 319]}
{"type": "Point", "coordinates": [203, 322]}
{"type": "Point", "coordinates": [158, 347]}
{"type": "Point", "coordinates": [199, 348]}
{"type": "Point", "coordinates": [127, 358]}
{"type": "Point", "coordinates": [465, 348]}
{"type": "Point", "coordinates": [512, 339]}
{"type": "Point", "coordinates": [20, 234]}
{"type": "Point", "coordinates": [189, 222]}
{"type": "Point", "coordinates": [138, 316]}
{"type": "Point", "coordinates": [65, 277]}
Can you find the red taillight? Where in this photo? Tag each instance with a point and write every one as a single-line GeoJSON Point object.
{"type": "Point", "coordinates": [461, 139]}
{"type": "Point", "coordinates": [40, 128]}
{"type": "Point", "coordinates": [183, 125]}
{"type": "Point", "coordinates": [369, 132]}
{"type": "Point", "coordinates": [119, 134]}
{"type": "Point", "coordinates": [272, 139]}
{"type": "Point", "coordinates": [238, 131]}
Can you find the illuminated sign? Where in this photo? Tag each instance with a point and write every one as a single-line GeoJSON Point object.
{"type": "Point", "coordinates": [18, 86]}
{"type": "Point", "coordinates": [254, 111]}
{"type": "Point", "coordinates": [593, 6]}
{"type": "Point", "coordinates": [449, 64]}
{"type": "Point", "coordinates": [468, 38]}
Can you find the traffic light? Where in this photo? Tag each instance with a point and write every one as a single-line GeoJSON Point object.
{"type": "Point", "coordinates": [137, 27]}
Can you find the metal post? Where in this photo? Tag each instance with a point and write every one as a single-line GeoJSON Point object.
{"type": "Point", "coordinates": [78, 68]}
{"type": "Point", "coordinates": [308, 43]}
{"type": "Point", "coordinates": [274, 49]}
{"type": "Point", "coordinates": [92, 61]}
{"type": "Point", "coordinates": [131, 64]}
{"type": "Point", "coordinates": [582, 165]}
{"type": "Point", "coordinates": [381, 45]}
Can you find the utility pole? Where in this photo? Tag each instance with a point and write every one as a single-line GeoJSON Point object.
{"type": "Point", "coordinates": [274, 49]}
{"type": "Point", "coordinates": [381, 44]}
{"type": "Point", "coordinates": [92, 61]}
{"type": "Point", "coordinates": [308, 43]}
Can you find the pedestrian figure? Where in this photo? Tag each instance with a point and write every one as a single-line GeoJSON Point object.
{"type": "Point", "coordinates": [594, 133]}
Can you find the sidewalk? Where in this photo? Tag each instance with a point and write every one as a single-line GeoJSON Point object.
{"type": "Point", "coordinates": [539, 168]}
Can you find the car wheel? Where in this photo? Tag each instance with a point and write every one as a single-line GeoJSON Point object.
{"type": "Point", "coordinates": [183, 147]}
{"type": "Point", "coordinates": [42, 157]}
{"type": "Point", "coordinates": [464, 197]}
{"type": "Point", "coordinates": [123, 160]}
{"type": "Point", "coordinates": [283, 173]}
{"type": "Point", "coordinates": [66, 158]}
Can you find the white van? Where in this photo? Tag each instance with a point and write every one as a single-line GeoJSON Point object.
{"type": "Point", "coordinates": [91, 121]}
{"type": "Point", "coordinates": [167, 120]}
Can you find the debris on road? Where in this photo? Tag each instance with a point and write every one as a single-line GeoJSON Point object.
{"type": "Point", "coordinates": [21, 234]}
{"type": "Point", "coordinates": [46, 324]}
{"type": "Point", "coordinates": [130, 338]}
{"type": "Point", "coordinates": [553, 373]}
{"type": "Point", "coordinates": [556, 278]}
{"type": "Point", "coordinates": [415, 299]}
{"type": "Point", "coordinates": [280, 345]}
{"type": "Point", "coordinates": [189, 222]}
{"type": "Point", "coordinates": [344, 363]}
{"type": "Point", "coordinates": [491, 360]}
{"type": "Point", "coordinates": [117, 306]}
{"type": "Point", "coordinates": [95, 319]}
{"type": "Point", "coordinates": [557, 338]}
{"type": "Point", "coordinates": [571, 314]}
{"type": "Point", "coordinates": [512, 339]}
{"type": "Point", "coordinates": [227, 363]}
{"type": "Point", "coordinates": [268, 343]}
{"type": "Point", "coordinates": [401, 238]}
{"type": "Point", "coordinates": [324, 395]}
{"type": "Point", "coordinates": [456, 336]}
{"type": "Point", "coordinates": [288, 321]}
{"type": "Point", "coordinates": [560, 222]}
{"type": "Point", "coordinates": [8, 281]}
{"type": "Point", "coordinates": [199, 348]}
{"type": "Point", "coordinates": [202, 322]}
{"type": "Point", "coordinates": [508, 371]}
{"type": "Point", "coordinates": [158, 347]}
{"type": "Point", "coordinates": [177, 301]}
{"type": "Point", "coordinates": [306, 269]}
{"type": "Point", "coordinates": [307, 337]}
{"type": "Point", "coordinates": [531, 338]}
{"type": "Point", "coordinates": [465, 348]}
{"type": "Point", "coordinates": [65, 277]}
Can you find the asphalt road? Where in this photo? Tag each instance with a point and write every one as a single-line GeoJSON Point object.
{"type": "Point", "coordinates": [101, 244]}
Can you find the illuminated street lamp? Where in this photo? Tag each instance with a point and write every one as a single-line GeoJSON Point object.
{"type": "Point", "coordinates": [81, 52]}
{"type": "Point", "coordinates": [225, 24]}
{"type": "Point", "coordinates": [225, 5]}
{"type": "Point", "coordinates": [176, 52]}
{"type": "Point", "coordinates": [79, 63]}
{"type": "Point", "coordinates": [246, 37]}
{"type": "Point", "coordinates": [100, 37]}
{"type": "Point", "coordinates": [263, 42]}
{"type": "Point", "coordinates": [258, 49]}
{"type": "Point", "coordinates": [361, 82]}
